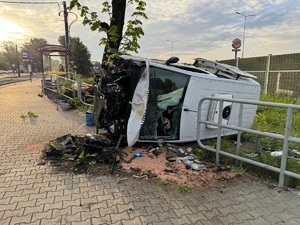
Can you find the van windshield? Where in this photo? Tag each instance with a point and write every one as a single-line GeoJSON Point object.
{"type": "Point", "coordinates": [166, 95]}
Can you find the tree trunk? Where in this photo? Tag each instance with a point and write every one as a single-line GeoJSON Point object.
{"type": "Point", "coordinates": [118, 17]}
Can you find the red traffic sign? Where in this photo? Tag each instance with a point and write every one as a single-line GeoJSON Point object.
{"type": "Point", "coordinates": [236, 43]}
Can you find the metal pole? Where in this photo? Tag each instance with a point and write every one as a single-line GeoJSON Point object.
{"type": "Point", "coordinates": [237, 62]}
{"type": "Point", "coordinates": [266, 84]}
{"type": "Point", "coordinates": [244, 36]}
{"type": "Point", "coordinates": [219, 131]}
{"type": "Point", "coordinates": [18, 61]}
{"type": "Point", "coordinates": [172, 45]}
{"type": "Point", "coordinates": [288, 127]}
{"type": "Point", "coordinates": [31, 65]}
{"type": "Point", "coordinates": [66, 38]}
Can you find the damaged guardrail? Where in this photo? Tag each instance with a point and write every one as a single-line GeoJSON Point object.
{"type": "Point", "coordinates": [286, 138]}
{"type": "Point", "coordinates": [54, 83]}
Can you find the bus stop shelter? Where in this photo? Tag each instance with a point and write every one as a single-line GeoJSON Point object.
{"type": "Point", "coordinates": [50, 66]}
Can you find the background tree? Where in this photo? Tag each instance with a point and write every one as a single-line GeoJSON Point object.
{"type": "Point", "coordinates": [11, 56]}
{"type": "Point", "coordinates": [80, 55]}
{"type": "Point", "coordinates": [4, 65]}
{"type": "Point", "coordinates": [35, 56]}
{"type": "Point", "coordinates": [115, 38]}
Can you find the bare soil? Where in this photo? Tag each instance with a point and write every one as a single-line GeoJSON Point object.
{"type": "Point", "coordinates": [174, 172]}
{"type": "Point", "coordinates": [149, 167]}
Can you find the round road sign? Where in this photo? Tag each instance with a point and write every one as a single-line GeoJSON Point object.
{"type": "Point", "coordinates": [236, 43]}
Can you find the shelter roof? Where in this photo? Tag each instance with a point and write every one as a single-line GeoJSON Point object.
{"type": "Point", "coordinates": [46, 49]}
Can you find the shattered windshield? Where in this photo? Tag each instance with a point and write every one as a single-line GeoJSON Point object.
{"type": "Point", "coordinates": [166, 94]}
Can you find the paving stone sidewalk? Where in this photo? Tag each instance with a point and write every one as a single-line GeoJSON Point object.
{"type": "Point", "coordinates": [31, 193]}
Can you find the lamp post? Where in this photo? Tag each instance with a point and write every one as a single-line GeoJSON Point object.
{"type": "Point", "coordinates": [172, 45]}
{"type": "Point", "coordinates": [148, 52]}
{"type": "Point", "coordinates": [245, 17]}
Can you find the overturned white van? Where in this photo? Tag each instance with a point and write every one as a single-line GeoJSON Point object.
{"type": "Point", "coordinates": [150, 100]}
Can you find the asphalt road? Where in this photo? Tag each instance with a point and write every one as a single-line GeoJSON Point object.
{"type": "Point", "coordinates": [13, 78]}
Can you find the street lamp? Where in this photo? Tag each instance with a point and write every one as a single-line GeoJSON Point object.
{"type": "Point", "coordinates": [245, 16]}
{"type": "Point", "coordinates": [148, 52]}
{"type": "Point", "coordinates": [172, 45]}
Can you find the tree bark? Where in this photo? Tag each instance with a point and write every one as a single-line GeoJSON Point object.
{"type": "Point", "coordinates": [118, 17]}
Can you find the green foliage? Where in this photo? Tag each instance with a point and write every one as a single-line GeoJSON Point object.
{"type": "Point", "coordinates": [31, 46]}
{"type": "Point", "coordinates": [75, 102]}
{"type": "Point", "coordinates": [10, 55]}
{"type": "Point", "coordinates": [87, 80]}
{"type": "Point", "coordinates": [182, 189]}
{"type": "Point", "coordinates": [268, 119]}
{"type": "Point", "coordinates": [31, 114]}
{"type": "Point", "coordinates": [236, 169]}
{"type": "Point", "coordinates": [273, 119]}
{"type": "Point", "coordinates": [83, 158]}
{"type": "Point", "coordinates": [115, 37]}
{"type": "Point", "coordinates": [65, 156]}
{"type": "Point", "coordinates": [161, 183]}
{"type": "Point", "coordinates": [66, 83]}
{"type": "Point", "coordinates": [23, 116]}
{"type": "Point", "coordinates": [204, 154]}
{"type": "Point", "coordinates": [80, 55]}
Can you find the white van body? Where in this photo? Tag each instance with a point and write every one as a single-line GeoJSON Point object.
{"type": "Point", "coordinates": [164, 103]}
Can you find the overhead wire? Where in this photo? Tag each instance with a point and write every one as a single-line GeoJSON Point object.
{"type": "Point", "coordinates": [37, 3]}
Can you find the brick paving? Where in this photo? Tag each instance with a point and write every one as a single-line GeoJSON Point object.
{"type": "Point", "coordinates": [31, 193]}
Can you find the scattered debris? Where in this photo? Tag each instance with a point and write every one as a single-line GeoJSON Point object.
{"type": "Point", "coordinates": [122, 179]}
{"type": "Point", "coordinates": [175, 166]}
{"type": "Point", "coordinates": [164, 164]}
{"type": "Point", "coordinates": [83, 150]}
{"type": "Point", "coordinates": [292, 154]}
{"type": "Point", "coordinates": [276, 153]}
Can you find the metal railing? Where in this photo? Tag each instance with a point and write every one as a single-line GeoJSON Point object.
{"type": "Point", "coordinates": [286, 137]}
{"type": "Point", "coordinates": [53, 83]}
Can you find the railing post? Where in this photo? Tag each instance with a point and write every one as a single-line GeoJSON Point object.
{"type": "Point", "coordinates": [266, 83]}
{"type": "Point", "coordinates": [285, 149]}
{"type": "Point", "coordinates": [57, 84]}
{"type": "Point", "coordinates": [79, 90]}
{"type": "Point", "coordinates": [239, 135]}
{"type": "Point", "coordinates": [219, 130]}
{"type": "Point", "coordinates": [43, 83]}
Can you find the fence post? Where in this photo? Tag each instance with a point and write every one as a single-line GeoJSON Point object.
{"type": "Point", "coordinates": [267, 74]}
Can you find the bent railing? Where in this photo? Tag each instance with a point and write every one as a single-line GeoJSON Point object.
{"type": "Point", "coordinates": [53, 83]}
{"type": "Point", "coordinates": [286, 137]}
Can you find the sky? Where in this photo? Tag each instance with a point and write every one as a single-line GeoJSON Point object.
{"type": "Point", "coordinates": [187, 29]}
